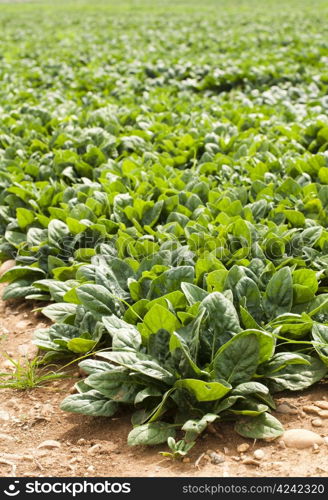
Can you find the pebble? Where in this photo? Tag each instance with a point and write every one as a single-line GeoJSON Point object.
{"type": "Point", "coordinates": [91, 468]}
{"type": "Point", "coordinates": [311, 409]}
{"type": "Point", "coordinates": [242, 447]}
{"type": "Point", "coordinates": [259, 454]}
{"type": "Point", "coordinates": [317, 422]}
{"type": "Point", "coordinates": [322, 404]}
{"type": "Point", "coordinates": [81, 441]}
{"type": "Point", "coordinates": [301, 438]}
{"type": "Point", "coordinates": [22, 325]}
{"type": "Point", "coordinates": [13, 403]}
{"type": "Point", "coordinates": [216, 458]}
{"type": "Point", "coordinates": [323, 413]}
{"type": "Point", "coordinates": [186, 460]}
{"type": "Point", "coordinates": [287, 408]}
{"type": "Point", "coordinates": [46, 410]}
{"type": "Point", "coordinates": [4, 415]}
{"type": "Point", "coordinates": [250, 461]}
{"type": "Point", "coordinates": [325, 440]}
{"type": "Point", "coordinates": [96, 448]}
{"type": "Point", "coordinates": [50, 443]}
{"type": "Point", "coordinates": [6, 266]}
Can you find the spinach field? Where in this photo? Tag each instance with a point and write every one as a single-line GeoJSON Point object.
{"type": "Point", "coordinates": [164, 188]}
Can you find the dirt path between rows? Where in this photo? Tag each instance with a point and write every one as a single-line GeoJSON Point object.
{"type": "Point", "coordinates": [97, 446]}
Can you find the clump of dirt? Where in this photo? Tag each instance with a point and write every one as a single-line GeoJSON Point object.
{"type": "Point", "coordinates": [38, 439]}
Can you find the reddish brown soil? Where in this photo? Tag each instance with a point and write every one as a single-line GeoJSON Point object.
{"type": "Point", "coordinates": [34, 416]}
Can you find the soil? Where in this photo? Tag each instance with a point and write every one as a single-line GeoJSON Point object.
{"type": "Point", "coordinates": [87, 446]}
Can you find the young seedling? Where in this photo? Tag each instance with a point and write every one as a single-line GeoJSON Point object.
{"type": "Point", "coordinates": [179, 449]}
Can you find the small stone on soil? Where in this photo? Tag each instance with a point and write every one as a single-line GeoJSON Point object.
{"type": "Point", "coordinates": [22, 325]}
{"type": "Point", "coordinates": [287, 408]}
{"type": "Point", "coordinates": [317, 422]}
{"type": "Point", "coordinates": [259, 454]}
{"type": "Point", "coordinates": [311, 409]}
{"type": "Point", "coordinates": [216, 458]}
{"type": "Point", "coordinates": [50, 443]}
{"type": "Point", "coordinates": [46, 410]}
{"type": "Point", "coordinates": [4, 415]}
{"type": "Point", "coordinates": [250, 461]}
{"type": "Point", "coordinates": [96, 448]}
{"type": "Point", "coordinates": [242, 447]}
{"type": "Point", "coordinates": [322, 404]}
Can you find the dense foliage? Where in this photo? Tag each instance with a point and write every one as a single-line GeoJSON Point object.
{"type": "Point", "coordinates": [164, 183]}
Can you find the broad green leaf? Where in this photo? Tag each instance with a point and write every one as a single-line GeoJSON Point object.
{"type": "Point", "coordinates": [296, 377]}
{"type": "Point", "coordinates": [320, 337]}
{"type": "Point", "coordinates": [25, 217]}
{"type": "Point", "coordinates": [114, 385]}
{"type": "Point", "coordinates": [279, 293]}
{"type": "Point", "coordinates": [170, 281]}
{"type": "Point", "coordinates": [80, 345]}
{"type": "Point", "coordinates": [21, 272]}
{"type": "Point", "coordinates": [264, 426]}
{"type": "Point", "coordinates": [140, 363]}
{"type": "Point", "coordinates": [204, 391]}
{"type": "Point", "coordinates": [59, 312]}
{"type": "Point", "coordinates": [237, 360]}
{"type": "Point", "coordinates": [90, 403]}
{"type": "Point", "coordinates": [96, 299]}
{"type": "Point", "coordinates": [193, 428]}
{"type": "Point", "coordinates": [159, 318]}
{"type": "Point", "coordinates": [193, 293]}
{"type": "Point", "coordinates": [125, 337]}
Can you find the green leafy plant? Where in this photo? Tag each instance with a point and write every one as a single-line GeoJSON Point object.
{"type": "Point", "coordinates": [179, 449]}
{"type": "Point", "coordinates": [170, 206]}
{"type": "Point", "coordinates": [28, 374]}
